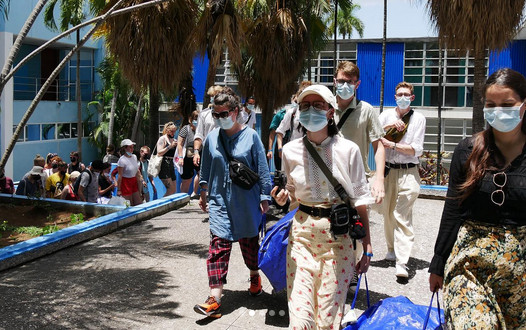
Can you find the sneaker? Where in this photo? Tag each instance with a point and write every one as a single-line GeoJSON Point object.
{"type": "Point", "coordinates": [390, 256]}
{"type": "Point", "coordinates": [401, 271]}
{"type": "Point", "coordinates": [255, 285]}
{"type": "Point", "coordinates": [209, 308]}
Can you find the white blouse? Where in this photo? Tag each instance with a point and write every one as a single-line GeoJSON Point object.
{"type": "Point", "coordinates": [307, 183]}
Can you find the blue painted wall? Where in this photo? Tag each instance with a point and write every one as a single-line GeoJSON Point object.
{"type": "Point", "coordinates": [369, 61]}
{"type": "Point", "coordinates": [511, 57]}
{"type": "Point", "coordinates": [200, 71]}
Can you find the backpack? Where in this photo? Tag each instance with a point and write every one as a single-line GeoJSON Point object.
{"type": "Point", "coordinates": [76, 185]}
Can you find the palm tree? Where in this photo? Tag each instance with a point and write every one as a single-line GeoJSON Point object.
{"type": "Point", "coordinates": [478, 26]}
{"type": "Point", "coordinates": [218, 27]}
{"type": "Point", "coordinates": [151, 47]}
{"type": "Point", "coordinates": [347, 22]}
{"type": "Point", "coordinates": [4, 7]}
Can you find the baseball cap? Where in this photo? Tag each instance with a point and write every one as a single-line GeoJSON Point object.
{"type": "Point", "coordinates": [127, 142]}
{"type": "Point", "coordinates": [322, 91]}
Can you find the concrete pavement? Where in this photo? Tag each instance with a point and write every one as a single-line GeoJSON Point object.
{"type": "Point", "coordinates": [151, 274]}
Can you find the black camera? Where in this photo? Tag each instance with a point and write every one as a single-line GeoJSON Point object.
{"type": "Point", "coordinates": [280, 180]}
{"type": "Point", "coordinates": [340, 219]}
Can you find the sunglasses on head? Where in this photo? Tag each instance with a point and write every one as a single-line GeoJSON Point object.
{"type": "Point", "coordinates": [222, 114]}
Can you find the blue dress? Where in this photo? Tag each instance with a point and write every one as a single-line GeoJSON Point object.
{"type": "Point", "coordinates": [234, 211]}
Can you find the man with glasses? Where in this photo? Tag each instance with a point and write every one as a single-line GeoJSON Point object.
{"type": "Point", "coordinates": [404, 143]}
{"type": "Point", "coordinates": [358, 121]}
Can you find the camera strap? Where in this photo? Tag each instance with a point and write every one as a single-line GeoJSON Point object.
{"type": "Point", "coordinates": [340, 190]}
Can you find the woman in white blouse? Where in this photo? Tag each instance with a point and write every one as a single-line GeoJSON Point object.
{"type": "Point", "coordinates": [319, 264]}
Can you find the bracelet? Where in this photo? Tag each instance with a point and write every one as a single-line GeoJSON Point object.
{"type": "Point", "coordinates": [280, 149]}
{"type": "Point", "coordinates": [367, 254]}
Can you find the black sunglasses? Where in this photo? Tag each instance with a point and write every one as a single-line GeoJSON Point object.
{"type": "Point", "coordinates": [222, 114]}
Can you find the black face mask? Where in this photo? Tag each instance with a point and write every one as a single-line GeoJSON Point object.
{"type": "Point", "coordinates": [170, 136]}
{"type": "Point", "coordinates": [62, 172]}
{"type": "Point", "coordinates": [146, 156]}
{"type": "Point", "coordinates": [73, 159]}
{"type": "Point", "coordinates": [55, 165]}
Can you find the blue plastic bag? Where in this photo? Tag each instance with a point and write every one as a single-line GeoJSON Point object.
{"type": "Point", "coordinates": [272, 255]}
{"type": "Point", "coordinates": [398, 313]}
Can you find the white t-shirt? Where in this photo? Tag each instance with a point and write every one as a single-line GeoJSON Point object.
{"type": "Point", "coordinates": [129, 166]}
{"type": "Point", "coordinates": [286, 125]}
{"type": "Point", "coordinates": [248, 119]}
{"type": "Point", "coordinates": [205, 124]}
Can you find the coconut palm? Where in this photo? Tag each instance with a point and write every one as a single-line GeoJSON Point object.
{"type": "Point", "coordinates": [152, 49]}
{"type": "Point", "coordinates": [4, 7]}
{"type": "Point", "coordinates": [478, 26]}
{"type": "Point", "coordinates": [219, 26]}
{"type": "Point", "coordinates": [347, 22]}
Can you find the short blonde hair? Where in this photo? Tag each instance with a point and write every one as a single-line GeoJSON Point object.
{"type": "Point", "coordinates": [214, 90]}
{"type": "Point", "coordinates": [348, 68]}
{"type": "Point", "coordinates": [168, 126]}
{"type": "Point", "coordinates": [405, 84]}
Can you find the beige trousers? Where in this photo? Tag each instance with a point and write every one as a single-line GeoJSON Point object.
{"type": "Point", "coordinates": [402, 187]}
{"type": "Point", "coordinates": [319, 270]}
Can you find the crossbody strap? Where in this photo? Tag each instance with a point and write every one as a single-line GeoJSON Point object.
{"type": "Point", "coordinates": [395, 135]}
{"type": "Point", "coordinates": [344, 117]}
{"type": "Point", "coordinates": [321, 164]}
{"type": "Point", "coordinates": [224, 146]}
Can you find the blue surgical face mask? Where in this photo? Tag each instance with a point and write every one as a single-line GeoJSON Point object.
{"type": "Point", "coordinates": [503, 119]}
{"type": "Point", "coordinates": [194, 122]}
{"type": "Point", "coordinates": [345, 91]}
{"type": "Point", "coordinates": [313, 119]}
{"type": "Point", "coordinates": [212, 100]}
{"type": "Point", "coordinates": [403, 102]}
{"type": "Point", "coordinates": [250, 107]}
{"type": "Point", "coordinates": [224, 123]}
{"type": "Point", "coordinates": [129, 153]}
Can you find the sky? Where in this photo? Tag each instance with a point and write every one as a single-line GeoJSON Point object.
{"type": "Point", "coordinates": [405, 18]}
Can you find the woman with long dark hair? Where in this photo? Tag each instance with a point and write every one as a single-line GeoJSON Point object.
{"type": "Point", "coordinates": [480, 252]}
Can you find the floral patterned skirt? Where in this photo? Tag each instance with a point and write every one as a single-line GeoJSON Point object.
{"type": "Point", "coordinates": [485, 278]}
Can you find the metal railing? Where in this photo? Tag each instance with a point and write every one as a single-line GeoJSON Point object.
{"type": "Point", "coordinates": [26, 88]}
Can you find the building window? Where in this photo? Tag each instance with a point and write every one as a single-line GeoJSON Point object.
{"type": "Point", "coordinates": [58, 131]}
{"type": "Point", "coordinates": [322, 69]}
{"type": "Point", "coordinates": [421, 65]}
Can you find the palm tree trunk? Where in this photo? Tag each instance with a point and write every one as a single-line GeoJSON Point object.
{"type": "Point", "coordinates": [112, 115]}
{"type": "Point", "coordinates": [46, 85]}
{"type": "Point", "coordinates": [153, 133]}
{"type": "Point", "coordinates": [68, 32]}
{"type": "Point", "coordinates": [267, 112]}
{"type": "Point", "coordinates": [80, 129]}
{"type": "Point", "coordinates": [478, 82]}
{"type": "Point", "coordinates": [137, 119]}
{"type": "Point", "coordinates": [210, 81]}
{"type": "Point", "coordinates": [382, 87]}
{"type": "Point", "coordinates": [18, 42]}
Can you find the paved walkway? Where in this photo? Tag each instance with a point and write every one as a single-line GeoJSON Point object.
{"type": "Point", "coordinates": [151, 274]}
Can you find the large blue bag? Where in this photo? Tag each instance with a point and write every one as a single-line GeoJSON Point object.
{"type": "Point", "coordinates": [398, 313]}
{"type": "Point", "coordinates": [272, 256]}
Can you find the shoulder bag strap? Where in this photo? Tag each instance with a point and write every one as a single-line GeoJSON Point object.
{"type": "Point", "coordinates": [344, 118]}
{"type": "Point", "coordinates": [337, 186]}
{"type": "Point", "coordinates": [224, 146]}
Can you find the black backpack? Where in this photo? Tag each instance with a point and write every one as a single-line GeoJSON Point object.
{"type": "Point", "coordinates": [76, 185]}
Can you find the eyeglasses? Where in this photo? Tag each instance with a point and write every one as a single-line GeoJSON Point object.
{"type": "Point", "coordinates": [498, 196]}
{"type": "Point", "coordinates": [403, 94]}
{"type": "Point", "coordinates": [343, 81]}
{"type": "Point", "coordinates": [222, 114]}
{"type": "Point", "coordinates": [317, 104]}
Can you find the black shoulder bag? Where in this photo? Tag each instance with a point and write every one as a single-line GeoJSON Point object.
{"type": "Point", "coordinates": [344, 217]}
{"type": "Point", "coordinates": [241, 174]}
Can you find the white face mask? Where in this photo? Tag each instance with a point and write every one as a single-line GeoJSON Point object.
{"type": "Point", "coordinates": [403, 102]}
{"type": "Point", "coordinates": [224, 123]}
{"type": "Point", "coordinates": [503, 119]}
{"type": "Point", "coordinates": [345, 91]}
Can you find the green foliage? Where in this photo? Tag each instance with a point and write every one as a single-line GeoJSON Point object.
{"type": "Point", "coordinates": [4, 226]}
{"type": "Point", "coordinates": [125, 109]}
{"type": "Point", "coordinates": [77, 218]}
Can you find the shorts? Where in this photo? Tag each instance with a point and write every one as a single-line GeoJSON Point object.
{"type": "Point", "coordinates": [167, 169]}
{"type": "Point", "coordinates": [129, 186]}
{"type": "Point", "coordinates": [188, 168]}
